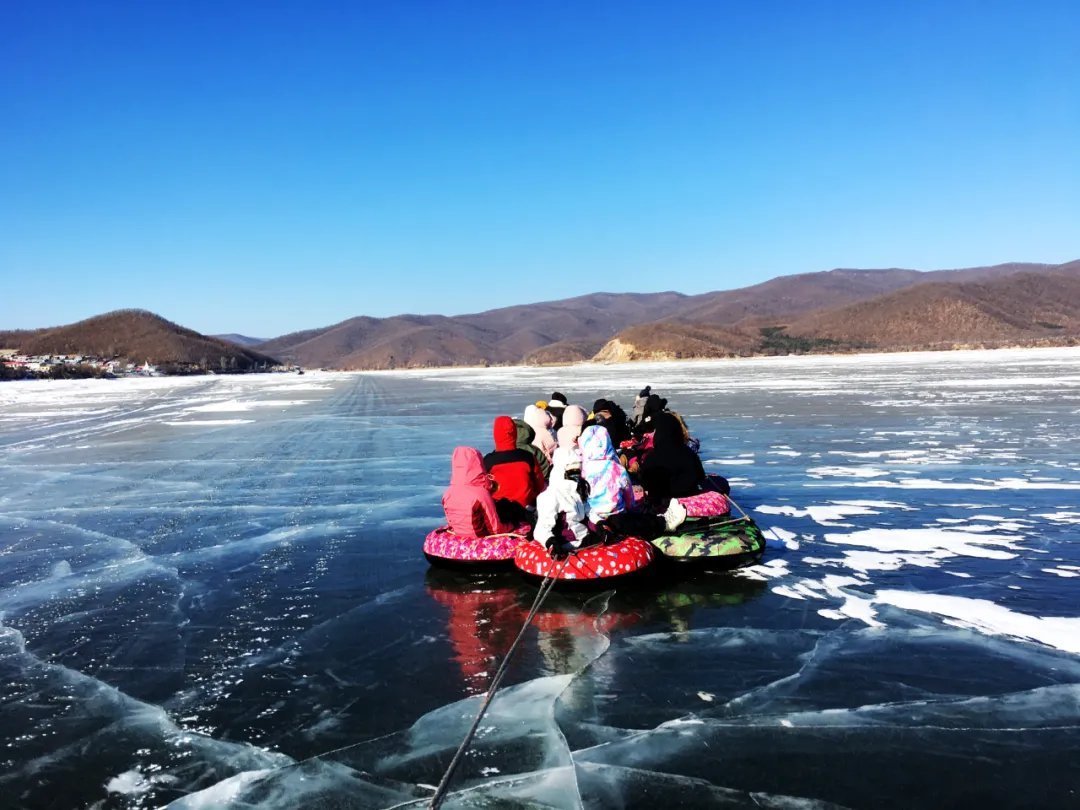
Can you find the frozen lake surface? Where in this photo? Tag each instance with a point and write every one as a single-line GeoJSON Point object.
{"type": "Point", "coordinates": [212, 595]}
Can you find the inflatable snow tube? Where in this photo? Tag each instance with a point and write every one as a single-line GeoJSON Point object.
{"type": "Point", "coordinates": [706, 504]}
{"type": "Point", "coordinates": [598, 565]}
{"type": "Point", "coordinates": [713, 546]}
{"type": "Point", "coordinates": [444, 548]}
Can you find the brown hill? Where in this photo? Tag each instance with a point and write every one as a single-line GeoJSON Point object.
{"type": "Point", "coordinates": [508, 335]}
{"type": "Point", "coordinates": [565, 351]}
{"type": "Point", "coordinates": [676, 341]}
{"type": "Point", "coordinates": [11, 338]}
{"type": "Point", "coordinates": [788, 296]}
{"type": "Point", "coordinates": [1021, 308]}
{"type": "Point", "coordinates": [1010, 306]}
{"type": "Point", "coordinates": [833, 310]}
{"type": "Point", "coordinates": [398, 342]}
{"type": "Point", "coordinates": [577, 328]}
{"type": "Point", "coordinates": [141, 336]}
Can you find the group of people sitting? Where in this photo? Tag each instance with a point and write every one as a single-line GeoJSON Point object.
{"type": "Point", "coordinates": [570, 474]}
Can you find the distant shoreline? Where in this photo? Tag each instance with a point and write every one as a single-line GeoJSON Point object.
{"type": "Point", "coordinates": [941, 355]}
{"type": "Point", "coordinates": [759, 358]}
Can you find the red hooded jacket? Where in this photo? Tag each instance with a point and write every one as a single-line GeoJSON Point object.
{"type": "Point", "coordinates": [470, 509]}
{"type": "Point", "coordinates": [516, 471]}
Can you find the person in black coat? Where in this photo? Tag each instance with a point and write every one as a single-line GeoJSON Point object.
{"type": "Point", "coordinates": [639, 404]}
{"type": "Point", "coordinates": [671, 469]}
{"type": "Point", "coordinates": [654, 404]}
{"type": "Point", "coordinates": [612, 418]}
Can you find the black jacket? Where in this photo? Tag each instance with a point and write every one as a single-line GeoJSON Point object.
{"type": "Point", "coordinates": [671, 469]}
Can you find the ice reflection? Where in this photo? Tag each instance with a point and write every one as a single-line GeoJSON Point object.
{"type": "Point", "coordinates": [483, 618]}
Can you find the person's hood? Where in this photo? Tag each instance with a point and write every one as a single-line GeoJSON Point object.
{"type": "Point", "coordinates": [654, 404]}
{"type": "Point", "coordinates": [574, 415]}
{"type": "Point", "coordinates": [595, 444]}
{"type": "Point", "coordinates": [504, 431]}
{"type": "Point", "coordinates": [668, 431]}
{"type": "Point", "coordinates": [467, 468]}
{"type": "Point", "coordinates": [568, 435]}
{"type": "Point", "coordinates": [523, 435]}
{"type": "Point", "coordinates": [538, 419]}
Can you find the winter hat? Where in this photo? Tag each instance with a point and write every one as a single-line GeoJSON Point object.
{"type": "Point", "coordinates": [556, 401]}
{"type": "Point", "coordinates": [537, 418]}
{"type": "Point", "coordinates": [574, 416]}
{"type": "Point", "coordinates": [644, 392]}
{"type": "Point", "coordinates": [568, 435]}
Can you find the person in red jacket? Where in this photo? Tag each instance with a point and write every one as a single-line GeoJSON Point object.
{"type": "Point", "coordinates": [470, 509]}
{"type": "Point", "coordinates": [518, 478]}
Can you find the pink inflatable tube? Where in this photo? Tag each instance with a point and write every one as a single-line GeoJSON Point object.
{"type": "Point", "coordinates": [444, 548]}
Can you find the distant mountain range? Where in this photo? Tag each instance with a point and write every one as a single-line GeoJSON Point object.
{"type": "Point", "coordinates": [139, 336]}
{"type": "Point", "coordinates": [835, 310]}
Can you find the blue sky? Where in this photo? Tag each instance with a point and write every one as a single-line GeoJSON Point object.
{"type": "Point", "coordinates": [269, 166]}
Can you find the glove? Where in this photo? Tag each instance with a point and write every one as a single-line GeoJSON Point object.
{"type": "Point", "coordinates": [606, 534]}
{"type": "Point", "coordinates": [556, 550]}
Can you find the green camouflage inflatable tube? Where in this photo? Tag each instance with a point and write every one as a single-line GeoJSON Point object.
{"type": "Point", "coordinates": [713, 544]}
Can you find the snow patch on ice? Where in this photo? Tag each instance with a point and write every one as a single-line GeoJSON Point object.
{"type": "Point", "coordinates": [878, 505]}
{"type": "Point", "coordinates": [773, 569]}
{"type": "Point", "coordinates": [847, 472]}
{"type": "Point", "coordinates": [984, 484]}
{"type": "Point", "coordinates": [1060, 517]}
{"type": "Point", "coordinates": [129, 783]}
{"type": "Point", "coordinates": [1063, 571]}
{"type": "Point", "coordinates": [866, 561]}
{"type": "Point", "coordinates": [1059, 632]}
{"type": "Point", "coordinates": [783, 537]}
{"type": "Point", "coordinates": [825, 515]}
{"type": "Point", "coordinates": [939, 543]}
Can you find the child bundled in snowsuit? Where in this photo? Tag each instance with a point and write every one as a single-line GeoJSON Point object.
{"type": "Point", "coordinates": [525, 441]}
{"type": "Point", "coordinates": [611, 495]}
{"type": "Point", "coordinates": [541, 421]}
{"type": "Point", "coordinates": [517, 474]}
{"type": "Point", "coordinates": [560, 509]}
{"type": "Point", "coordinates": [470, 509]}
{"type": "Point", "coordinates": [610, 490]}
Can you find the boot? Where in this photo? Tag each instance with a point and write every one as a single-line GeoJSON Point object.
{"type": "Point", "coordinates": [675, 515]}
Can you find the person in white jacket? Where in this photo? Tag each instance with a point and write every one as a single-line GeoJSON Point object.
{"type": "Point", "coordinates": [561, 508]}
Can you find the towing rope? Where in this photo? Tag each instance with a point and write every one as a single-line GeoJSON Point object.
{"type": "Point", "coordinates": [444, 784]}
{"type": "Point", "coordinates": [736, 505]}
